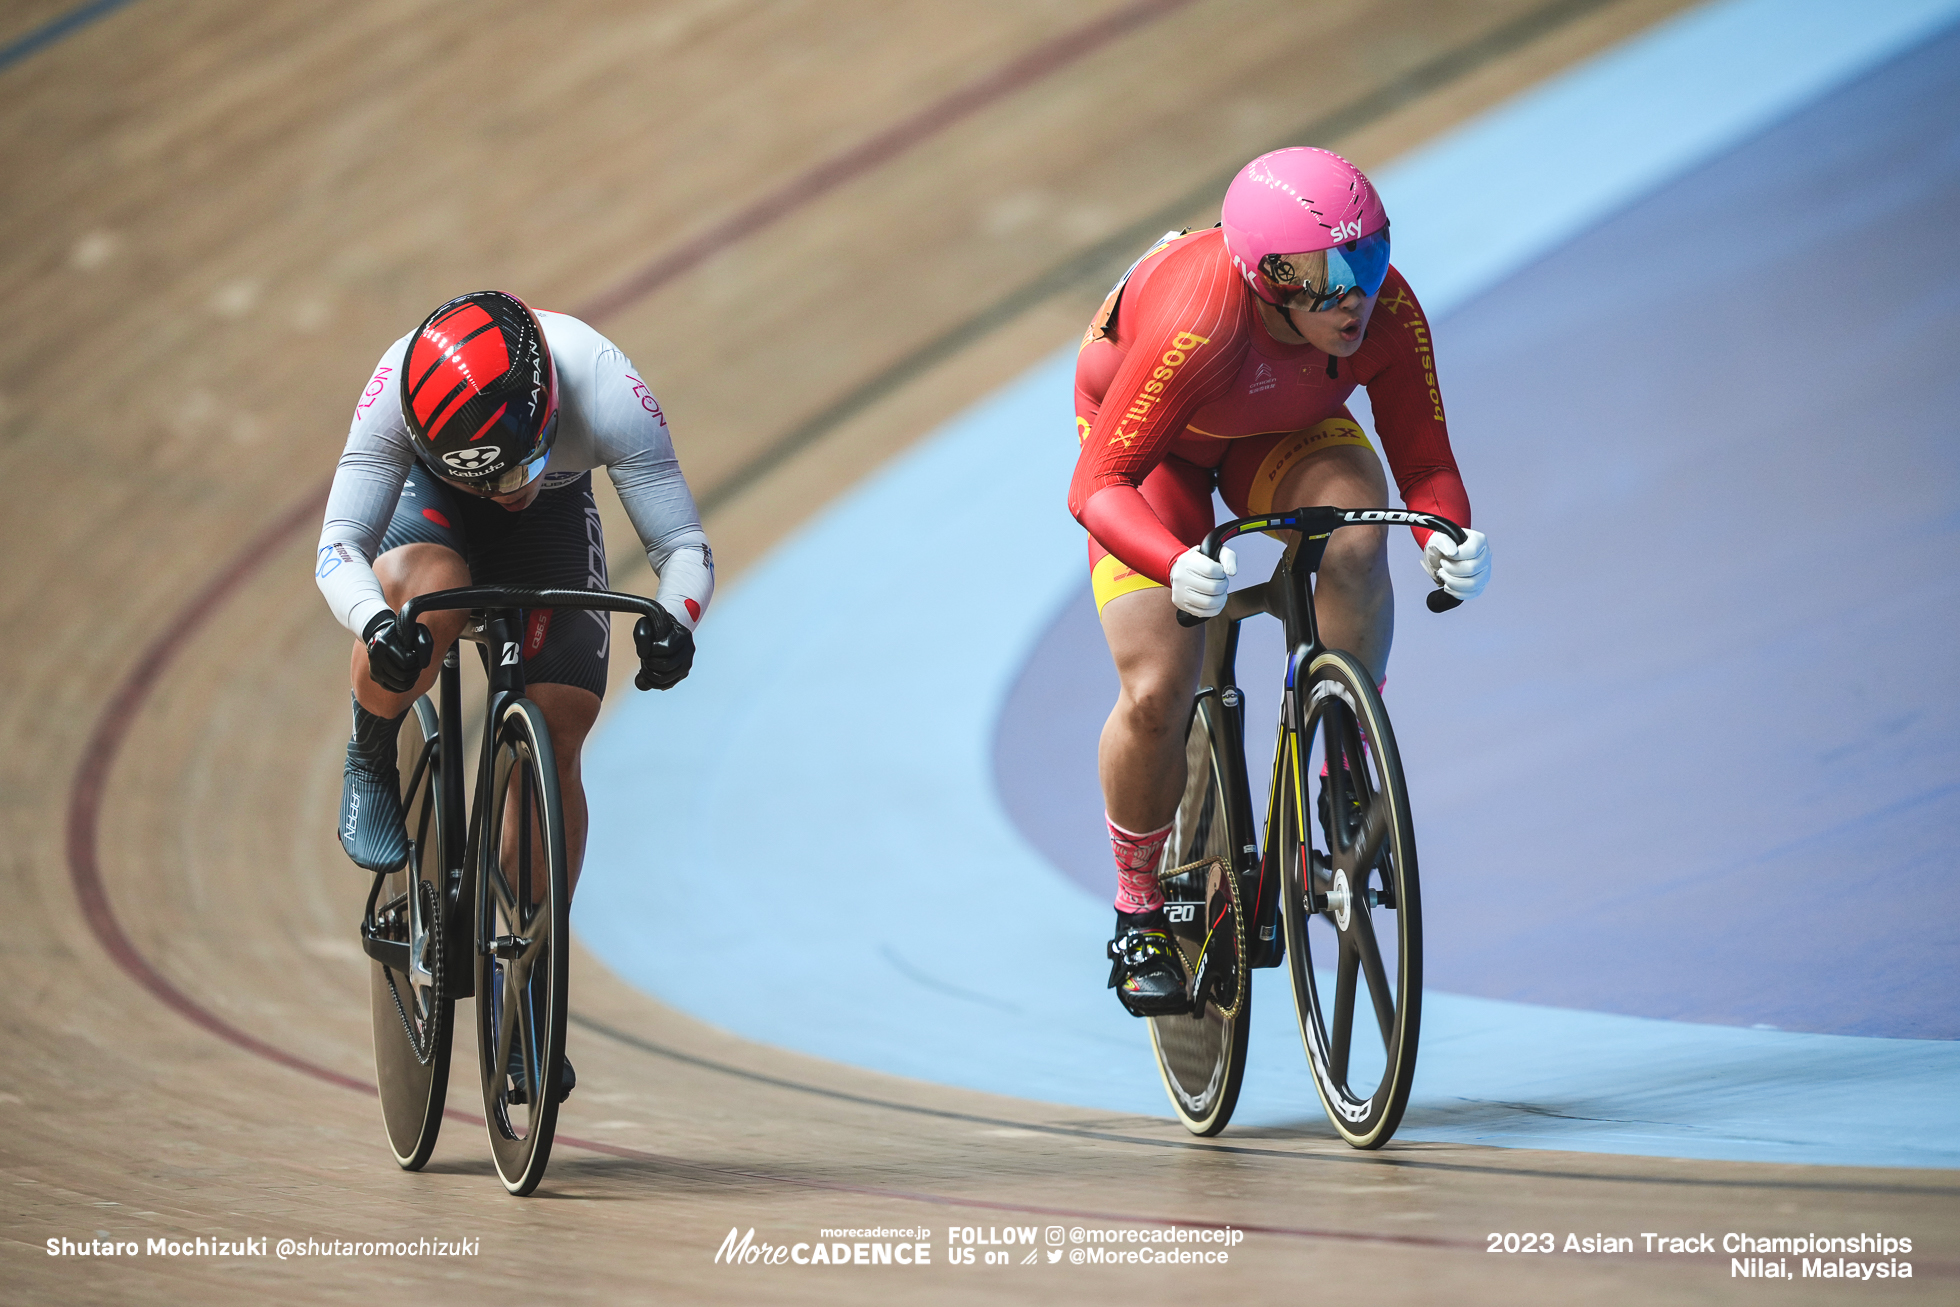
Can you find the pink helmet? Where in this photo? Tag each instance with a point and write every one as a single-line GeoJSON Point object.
{"type": "Point", "coordinates": [1299, 200]}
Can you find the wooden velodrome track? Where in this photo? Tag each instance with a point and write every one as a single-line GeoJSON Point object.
{"type": "Point", "coordinates": [819, 229]}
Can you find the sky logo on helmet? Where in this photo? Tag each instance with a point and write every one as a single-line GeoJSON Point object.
{"type": "Point", "coordinates": [473, 462]}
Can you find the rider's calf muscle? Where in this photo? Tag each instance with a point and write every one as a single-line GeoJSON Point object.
{"type": "Point", "coordinates": [1141, 755]}
{"type": "Point", "coordinates": [569, 712]}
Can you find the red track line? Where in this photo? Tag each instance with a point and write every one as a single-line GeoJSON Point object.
{"type": "Point", "coordinates": [827, 175]}
{"type": "Point", "coordinates": [92, 777]}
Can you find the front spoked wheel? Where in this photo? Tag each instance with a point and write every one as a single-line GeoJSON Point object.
{"type": "Point", "coordinates": [403, 931]}
{"type": "Point", "coordinates": [1201, 1054]}
{"type": "Point", "coordinates": [523, 941]}
{"type": "Point", "coordinates": [1350, 902]}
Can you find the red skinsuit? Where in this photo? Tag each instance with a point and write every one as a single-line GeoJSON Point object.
{"type": "Point", "coordinates": [1188, 369]}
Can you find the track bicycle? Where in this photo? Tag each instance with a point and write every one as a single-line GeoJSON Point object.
{"type": "Point", "coordinates": [1334, 895]}
{"type": "Point", "coordinates": [480, 909]}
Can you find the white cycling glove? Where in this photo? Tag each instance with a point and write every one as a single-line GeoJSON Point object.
{"type": "Point", "coordinates": [1463, 570]}
{"type": "Point", "coordinates": [1198, 583]}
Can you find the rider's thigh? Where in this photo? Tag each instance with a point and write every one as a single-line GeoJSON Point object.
{"type": "Point", "coordinates": [421, 568]}
{"type": "Point", "coordinates": [414, 569]}
{"type": "Point", "coordinates": [1345, 476]}
{"type": "Point", "coordinates": [405, 572]}
{"type": "Point", "coordinates": [1156, 659]}
{"type": "Point", "coordinates": [569, 712]}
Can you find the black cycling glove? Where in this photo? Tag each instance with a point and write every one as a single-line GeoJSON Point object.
{"type": "Point", "coordinates": [396, 659]}
{"type": "Point", "coordinates": [666, 657]}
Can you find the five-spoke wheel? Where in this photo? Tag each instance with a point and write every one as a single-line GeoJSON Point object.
{"type": "Point", "coordinates": [1350, 905]}
{"type": "Point", "coordinates": [522, 942]}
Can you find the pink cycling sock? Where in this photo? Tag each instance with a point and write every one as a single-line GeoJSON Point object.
{"type": "Point", "coordinates": [1136, 867]}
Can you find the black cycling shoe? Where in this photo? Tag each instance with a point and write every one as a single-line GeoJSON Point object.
{"type": "Point", "coordinates": [519, 1093]}
{"type": "Point", "coordinates": [371, 828]}
{"type": "Point", "coordinates": [1146, 970]}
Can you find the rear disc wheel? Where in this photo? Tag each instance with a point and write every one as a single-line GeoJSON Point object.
{"type": "Point", "coordinates": [1201, 1054]}
{"type": "Point", "coordinates": [411, 1010]}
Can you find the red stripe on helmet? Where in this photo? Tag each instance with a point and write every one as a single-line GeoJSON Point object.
{"type": "Point", "coordinates": [457, 394]}
{"type": "Point", "coordinates": [487, 421]}
{"type": "Point", "coordinates": [427, 351]}
{"type": "Point", "coordinates": [469, 354]}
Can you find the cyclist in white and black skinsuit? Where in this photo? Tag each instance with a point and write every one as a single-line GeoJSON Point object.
{"type": "Point", "coordinates": [469, 462]}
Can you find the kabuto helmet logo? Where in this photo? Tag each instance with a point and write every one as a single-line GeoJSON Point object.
{"type": "Point", "coordinates": [475, 461]}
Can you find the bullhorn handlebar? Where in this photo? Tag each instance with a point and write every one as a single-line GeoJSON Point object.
{"type": "Point", "coordinates": [1324, 521]}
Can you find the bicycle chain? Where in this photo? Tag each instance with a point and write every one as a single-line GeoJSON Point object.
{"type": "Point", "coordinates": [425, 1049]}
{"type": "Point", "coordinates": [1231, 880]}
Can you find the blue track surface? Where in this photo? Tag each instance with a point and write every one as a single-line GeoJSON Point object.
{"type": "Point", "coordinates": [810, 874]}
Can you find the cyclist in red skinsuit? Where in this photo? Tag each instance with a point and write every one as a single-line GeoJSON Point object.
{"type": "Point", "coordinates": [1238, 399]}
{"type": "Point", "coordinates": [1189, 380]}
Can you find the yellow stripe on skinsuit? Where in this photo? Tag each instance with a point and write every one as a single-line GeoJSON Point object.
{"type": "Point", "coordinates": [1112, 577]}
{"type": "Point", "coordinates": [1281, 457]}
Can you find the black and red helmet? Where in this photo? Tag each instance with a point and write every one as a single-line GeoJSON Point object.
{"type": "Point", "coordinates": [480, 393]}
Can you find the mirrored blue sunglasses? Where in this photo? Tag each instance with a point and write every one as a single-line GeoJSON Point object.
{"type": "Point", "coordinates": [1356, 265]}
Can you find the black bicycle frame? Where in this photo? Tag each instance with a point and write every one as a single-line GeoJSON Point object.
{"type": "Point", "coordinates": [1287, 595]}
{"type": "Point", "coordinates": [461, 978]}
{"type": "Point", "coordinates": [499, 636]}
